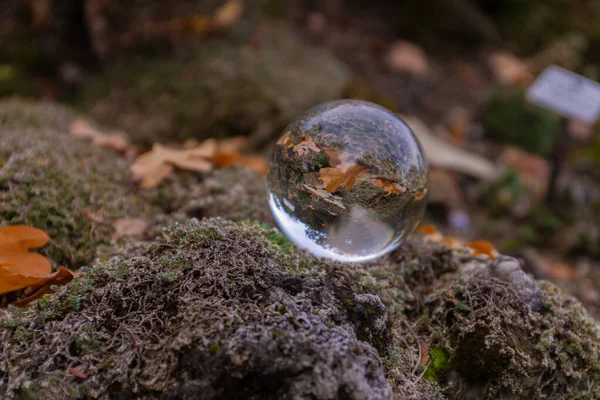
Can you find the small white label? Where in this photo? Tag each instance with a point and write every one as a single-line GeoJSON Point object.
{"type": "Point", "coordinates": [567, 94]}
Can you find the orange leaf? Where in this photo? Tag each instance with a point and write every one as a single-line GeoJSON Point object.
{"type": "Point", "coordinates": [10, 282]}
{"type": "Point", "coordinates": [20, 238]}
{"type": "Point", "coordinates": [483, 247]}
{"type": "Point", "coordinates": [334, 178]}
{"type": "Point", "coordinates": [389, 187]}
{"type": "Point", "coordinates": [427, 229]}
{"type": "Point", "coordinates": [257, 163]}
{"type": "Point", "coordinates": [26, 264]}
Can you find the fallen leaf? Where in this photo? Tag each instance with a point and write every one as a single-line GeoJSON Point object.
{"type": "Point", "coordinates": [483, 247]}
{"type": "Point", "coordinates": [305, 146]}
{"type": "Point", "coordinates": [80, 128]}
{"type": "Point", "coordinates": [257, 163]}
{"type": "Point", "coordinates": [508, 69]}
{"type": "Point", "coordinates": [10, 282]}
{"type": "Point", "coordinates": [424, 351]}
{"type": "Point", "coordinates": [407, 57]}
{"type": "Point", "coordinates": [26, 264]}
{"type": "Point", "coordinates": [427, 229]}
{"type": "Point", "coordinates": [20, 238]}
{"type": "Point", "coordinates": [132, 228]}
{"type": "Point", "coordinates": [152, 167]}
{"type": "Point", "coordinates": [76, 373]}
{"type": "Point", "coordinates": [229, 13]}
{"type": "Point", "coordinates": [389, 187]}
{"type": "Point", "coordinates": [286, 140]}
{"type": "Point", "coordinates": [334, 178]}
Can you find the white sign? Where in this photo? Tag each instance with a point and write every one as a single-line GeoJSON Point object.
{"type": "Point", "coordinates": [567, 94]}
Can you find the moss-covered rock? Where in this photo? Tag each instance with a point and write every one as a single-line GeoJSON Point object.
{"type": "Point", "coordinates": [223, 87]}
{"type": "Point", "coordinates": [66, 186]}
{"type": "Point", "coordinates": [232, 193]}
{"type": "Point", "coordinates": [216, 309]}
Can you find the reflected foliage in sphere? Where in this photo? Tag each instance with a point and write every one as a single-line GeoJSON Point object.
{"type": "Point", "coordinates": [348, 181]}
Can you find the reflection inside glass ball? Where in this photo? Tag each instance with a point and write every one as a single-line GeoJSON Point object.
{"type": "Point", "coordinates": [348, 181]}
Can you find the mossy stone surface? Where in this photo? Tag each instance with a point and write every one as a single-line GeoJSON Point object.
{"type": "Point", "coordinates": [65, 186]}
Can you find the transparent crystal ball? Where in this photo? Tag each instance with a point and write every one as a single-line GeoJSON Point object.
{"type": "Point", "coordinates": [348, 181]}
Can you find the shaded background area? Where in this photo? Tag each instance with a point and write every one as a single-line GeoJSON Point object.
{"type": "Point", "coordinates": [457, 69]}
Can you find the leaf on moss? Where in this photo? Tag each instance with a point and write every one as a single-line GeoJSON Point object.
{"type": "Point", "coordinates": [388, 186]}
{"type": "Point", "coordinates": [151, 168]}
{"type": "Point", "coordinates": [257, 163]}
{"type": "Point", "coordinates": [20, 269]}
{"type": "Point", "coordinates": [305, 146]}
{"type": "Point", "coordinates": [334, 178]}
{"type": "Point", "coordinates": [83, 129]}
{"type": "Point", "coordinates": [286, 140]}
{"type": "Point", "coordinates": [483, 247]}
{"type": "Point", "coordinates": [20, 238]}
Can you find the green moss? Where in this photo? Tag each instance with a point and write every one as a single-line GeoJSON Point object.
{"type": "Point", "coordinates": [65, 186]}
{"type": "Point", "coordinates": [214, 348]}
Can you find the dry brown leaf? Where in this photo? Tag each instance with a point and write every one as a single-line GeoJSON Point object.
{"type": "Point", "coordinates": [232, 145]}
{"type": "Point", "coordinates": [286, 140]}
{"type": "Point", "coordinates": [483, 247]}
{"type": "Point", "coordinates": [133, 228]}
{"type": "Point", "coordinates": [257, 163]}
{"type": "Point", "coordinates": [229, 13]}
{"type": "Point", "coordinates": [82, 129]}
{"type": "Point", "coordinates": [389, 187]}
{"type": "Point", "coordinates": [151, 168]}
{"type": "Point", "coordinates": [334, 178]}
{"type": "Point", "coordinates": [305, 146]}
{"type": "Point", "coordinates": [424, 351]}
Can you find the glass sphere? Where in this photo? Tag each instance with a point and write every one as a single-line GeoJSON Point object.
{"type": "Point", "coordinates": [348, 181]}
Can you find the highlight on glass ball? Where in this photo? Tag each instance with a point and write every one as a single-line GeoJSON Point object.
{"type": "Point", "coordinates": [348, 181]}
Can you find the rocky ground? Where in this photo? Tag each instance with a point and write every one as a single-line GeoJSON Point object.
{"type": "Point", "coordinates": [214, 308]}
{"type": "Point", "coordinates": [210, 300]}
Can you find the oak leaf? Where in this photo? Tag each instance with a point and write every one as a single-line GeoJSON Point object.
{"type": "Point", "coordinates": [151, 168]}
{"type": "Point", "coordinates": [81, 128]}
{"type": "Point", "coordinates": [334, 178]}
{"type": "Point", "coordinates": [388, 186]}
{"type": "Point", "coordinates": [20, 269]}
{"type": "Point", "coordinates": [305, 146]}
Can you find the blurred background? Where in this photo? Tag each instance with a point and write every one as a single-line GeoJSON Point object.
{"type": "Point", "coordinates": [502, 169]}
